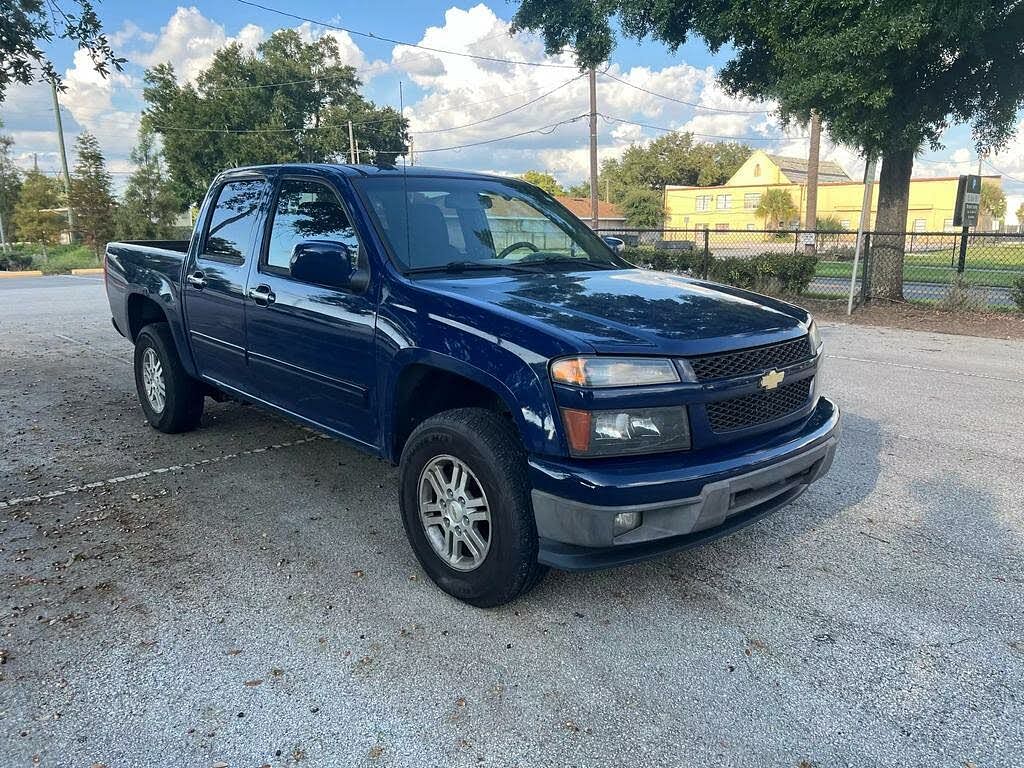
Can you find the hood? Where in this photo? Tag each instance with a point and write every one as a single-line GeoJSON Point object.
{"type": "Point", "coordinates": [637, 310]}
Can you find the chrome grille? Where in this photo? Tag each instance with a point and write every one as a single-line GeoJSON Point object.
{"type": "Point", "coordinates": [758, 407]}
{"type": "Point", "coordinates": [753, 360]}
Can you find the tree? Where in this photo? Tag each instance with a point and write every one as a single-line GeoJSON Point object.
{"type": "Point", "coordinates": [545, 181]}
{"type": "Point", "coordinates": [887, 77]}
{"type": "Point", "coordinates": [35, 217]}
{"type": "Point", "coordinates": [1020, 217]}
{"type": "Point", "coordinates": [777, 208]}
{"type": "Point", "coordinates": [993, 201]}
{"type": "Point", "coordinates": [644, 209]}
{"type": "Point", "coordinates": [28, 23]}
{"type": "Point", "coordinates": [10, 188]}
{"type": "Point", "coordinates": [148, 206]}
{"type": "Point", "coordinates": [579, 190]}
{"type": "Point", "coordinates": [223, 121]}
{"type": "Point", "coordinates": [91, 198]}
{"type": "Point", "coordinates": [674, 158]}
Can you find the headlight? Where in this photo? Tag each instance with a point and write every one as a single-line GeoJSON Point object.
{"type": "Point", "coordinates": [613, 371]}
{"type": "Point", "coordinates": [814, 337]}
{"type": "Point", "coordinates": [632, 431]}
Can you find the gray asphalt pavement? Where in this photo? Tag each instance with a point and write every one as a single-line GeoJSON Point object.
{"type": "Point", "coordinates": [243, 595]}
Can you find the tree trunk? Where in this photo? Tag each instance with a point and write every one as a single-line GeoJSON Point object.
{"type": "Point", "coordinates": [889, 240]}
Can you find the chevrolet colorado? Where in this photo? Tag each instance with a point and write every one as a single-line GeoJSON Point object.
{"type": "Point", "coordinates": [548, 403]}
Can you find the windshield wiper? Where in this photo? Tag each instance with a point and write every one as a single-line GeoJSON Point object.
{"type": "Point", "coordinates": [454, 267]}
{"type": "Point", "coordinates": [546, 260]}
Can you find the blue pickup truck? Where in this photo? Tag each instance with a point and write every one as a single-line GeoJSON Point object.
{"type": "Point", "coordinates": [548, 403]}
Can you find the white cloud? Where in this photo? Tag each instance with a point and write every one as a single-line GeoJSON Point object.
{"type": "Point", "coordinates": [189, 41]}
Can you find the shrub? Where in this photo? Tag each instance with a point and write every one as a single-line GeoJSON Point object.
{"type": "Point", "coordinates": [14, 261]}
{"type": "Point", "coordinates": [961, 295]}
{"type": "Point", "coordinates": [661, 259]}
{"type": "Point", "coordinates": [1017, 293]}
{"type": "Point", "coordinates": [767, 272]}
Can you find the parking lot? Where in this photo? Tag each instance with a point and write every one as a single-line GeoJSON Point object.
{"type": "Point", "coordinates": [243, 595]}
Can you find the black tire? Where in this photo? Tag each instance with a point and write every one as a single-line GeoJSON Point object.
{"type": "Point", "coordinates": [183, 395]}
{"type": "Point", "coordinates": [487, 444]}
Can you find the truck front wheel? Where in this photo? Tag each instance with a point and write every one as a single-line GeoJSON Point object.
{"type": "Point", "coordinates": [465, 503]}
{"type": "Point", "coordinates": [171, 399]}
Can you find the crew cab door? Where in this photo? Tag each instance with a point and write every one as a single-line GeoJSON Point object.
{"type": "Point", "coordinates": [311, 314]}
{"type": "Point", "coordinates": [215, 279]}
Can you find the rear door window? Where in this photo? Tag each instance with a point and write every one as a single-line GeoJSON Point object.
{"type": "Point", "coordinates": [232, 228]}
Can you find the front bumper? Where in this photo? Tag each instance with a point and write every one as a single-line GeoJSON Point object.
{"type": "Point", "coordinates": [681, 506]}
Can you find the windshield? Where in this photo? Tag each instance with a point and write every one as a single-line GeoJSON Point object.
{"type": "Point", "coordinates": [457, 224]}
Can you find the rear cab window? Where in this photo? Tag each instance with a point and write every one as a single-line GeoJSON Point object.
{"type": "Point", "coordinates": [231, 230]}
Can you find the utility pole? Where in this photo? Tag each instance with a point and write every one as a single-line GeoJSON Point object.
{"type": "Point", "coordinates": [813, 156]}
{"type": "Point", "coordinates": [412, 157]}
{"type": "Point", "coordinates": [351, 145]}
{"type": "Point", "coordinates": [63, 158]}
{"type": "Point", "coordinates": [593, 149]}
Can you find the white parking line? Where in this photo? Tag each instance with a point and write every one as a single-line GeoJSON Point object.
{"type": "Point", "coordinates": [150, 472]}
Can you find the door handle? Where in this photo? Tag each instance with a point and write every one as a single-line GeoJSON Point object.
{"type": "Point", "coordinates": [262, 295]}
{"type": "Point", "coordinates": [197, 279]}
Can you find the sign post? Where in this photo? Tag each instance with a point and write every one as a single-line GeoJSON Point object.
{"type": "Point", "coordinates": [965, 212]}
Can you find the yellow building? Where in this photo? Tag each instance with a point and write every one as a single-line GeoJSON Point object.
{"type": "Point", "coordinates": [733, 205]}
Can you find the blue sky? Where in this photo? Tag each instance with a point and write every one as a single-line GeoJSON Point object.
{"type": "Point", "coordinates": [441, 92]}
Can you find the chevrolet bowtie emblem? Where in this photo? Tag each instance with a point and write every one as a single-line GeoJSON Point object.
{"type": "Point", "coordinates": [772, 379]}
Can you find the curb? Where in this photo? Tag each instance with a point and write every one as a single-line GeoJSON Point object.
{"type": "Point", "coordinates": [90, 271]}
{"type": "Point", "coordinates": [22, 273]}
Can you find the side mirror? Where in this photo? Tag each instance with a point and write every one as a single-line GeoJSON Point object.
{"type": "Point", "coordinates": [327, 262]}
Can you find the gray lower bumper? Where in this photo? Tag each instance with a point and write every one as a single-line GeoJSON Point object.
{"type": "Point", "coordinates": [569, 522]}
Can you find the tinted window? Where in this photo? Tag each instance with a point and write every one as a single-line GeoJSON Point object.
{"type": "Point", "coordinates": [306, 212]}
{"type": "Point", "coordinates": [231, 231]}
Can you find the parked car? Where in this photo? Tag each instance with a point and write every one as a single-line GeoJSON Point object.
{"type": "Point", "coordinates": [548, 404]}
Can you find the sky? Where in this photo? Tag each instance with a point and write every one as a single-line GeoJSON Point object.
{"type": "Point", "coordinates": [442, 92]}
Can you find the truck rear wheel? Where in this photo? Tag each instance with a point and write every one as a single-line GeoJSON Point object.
{"type": "Point", "coordinates": [466, 509]}
{"type": "Point", "coordinates": [171, 399]}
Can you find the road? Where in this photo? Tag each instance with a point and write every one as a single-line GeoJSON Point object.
{"type": "Point", "coordinates": [981, 295]}
{"type": "Point", "coordinates": [243, 595]}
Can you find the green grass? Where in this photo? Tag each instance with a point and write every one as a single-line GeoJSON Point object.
{"type": "Point", "coordinates": [920, 272]}
{"type": "Point", "coordinates": [61, 259]}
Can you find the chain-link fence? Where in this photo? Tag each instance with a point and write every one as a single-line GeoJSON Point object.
{"type": "Point", "coordinates": [948, 270]}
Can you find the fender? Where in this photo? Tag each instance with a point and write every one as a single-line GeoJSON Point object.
{"type": "Point", "coordinates": [531, 407]}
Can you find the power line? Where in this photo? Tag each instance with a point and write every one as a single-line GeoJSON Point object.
{"type": "Point", "coordinates": [1003, 173]}
{"type": "Point", "coordinates": [544, 130]}
{"type": "Point", "coordinates": [683, 101]}
{"type": "Point", "coordinates": [701, 135]}
{"type": "Point", "coordinates": [374, 36]}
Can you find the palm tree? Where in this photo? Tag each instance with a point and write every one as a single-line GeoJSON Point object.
{"type": "Point", "coordinates": [777, 207]}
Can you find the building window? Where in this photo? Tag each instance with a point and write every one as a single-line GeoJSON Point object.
{"type": "Point", "coordinates": [724, 202]}
{"type": "Point", "coordinates": [701, 226]}
{"type": "Point", "coordinates": [703, 202]}
{"type": "Point", "coordinates": [844, 223]}
{"type": "Point", "coordinates": [721, 227]}
{"type": "Point", "coordinates": [750, 227]}
{"type": "Point", "coordinates": [757, 169]}
{"type": "Point", "coordinates": [920, 225]}
{"type": "Point", "coordinates": [751, 200]}
{"type": "Point", "coordinates": [947, 224]}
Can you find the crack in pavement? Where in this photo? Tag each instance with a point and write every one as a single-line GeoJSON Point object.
{"type": "Point", "coordinates": [8, 503]}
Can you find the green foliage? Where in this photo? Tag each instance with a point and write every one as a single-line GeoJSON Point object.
{"type": "Point", "coordinates": [579, 190]}
{"type": "Point", "coordinates": [545, 181]}
{"type": "Point", "coordinates": [993, 200]}
{"type": "Point", "coordinates": [28, 26]}
{"type": "Point", "coordinates": [92, 202]}
{"type": "Point", "coordinates": [661, 259]}
{"type": "Point", "coordinates": [643, 209]}
{"type": "Point", "coordinates": [148, 206]}
{"type": "Point", "coordinates": [10, 186]}
{"type": "Point", "coordinates": [305, 121]}
{"type": "Point", "coordinates": [776, 205]}
{"type": "Point", "coordinates": [1017, 291]}
{"type": "Point", "coordinates": [788, 273]}
{"type": "Point", "coordinates": [62, 259]}
{"type": "Point", "coordinates": [829, 224]}
{"type": "Point", "coordinates": [34, 218]}
{"type": "Point", "coordinates": [674, 158]}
